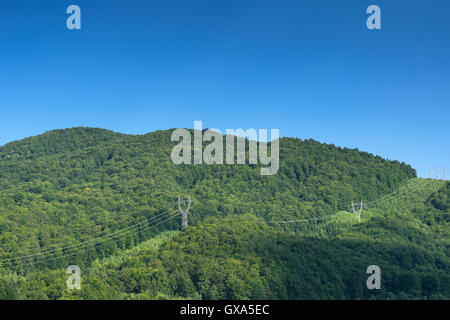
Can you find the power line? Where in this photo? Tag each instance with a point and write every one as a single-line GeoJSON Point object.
{"type": "Point", "coordinates": [410, 186]}
{"type": "Point", "coordinates": [404, 193]}
{"type": "Point", "coordinates": [82, 243]}
{"type": "Point", "coordinates": [75, 248]}
{"type": "Point", "coordinates": [414, 186]}
{"type": "Point", "coordinates": [104, 239]}
{"type": "Point", "coordinates": [82, 251]}
{"type": "Point", "coordinates": [393, 194]}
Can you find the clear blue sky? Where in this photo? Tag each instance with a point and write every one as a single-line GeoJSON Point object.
{"type": "Point", "coordinates": [310, 68]}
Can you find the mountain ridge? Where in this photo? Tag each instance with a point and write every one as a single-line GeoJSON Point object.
{"type": "Point", "coordinates": [106, 136]}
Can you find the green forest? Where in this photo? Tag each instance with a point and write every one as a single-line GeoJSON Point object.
{"type": "Point", "coordinates": [106, 202]}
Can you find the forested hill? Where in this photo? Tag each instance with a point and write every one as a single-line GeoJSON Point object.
{"type": "Point", "coordinates": [68, 186]}
{"type": "Point", "coordinates": [241, 257]}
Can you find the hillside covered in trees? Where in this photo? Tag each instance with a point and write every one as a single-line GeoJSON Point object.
{"type": "Point", "coordinates": [62, 191]}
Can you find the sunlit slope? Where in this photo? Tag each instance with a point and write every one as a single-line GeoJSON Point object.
{"type": "Point", "coordinates": [407, 199]}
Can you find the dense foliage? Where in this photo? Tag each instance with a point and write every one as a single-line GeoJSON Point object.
{"type": "Point", "coordinates": [69, 186]}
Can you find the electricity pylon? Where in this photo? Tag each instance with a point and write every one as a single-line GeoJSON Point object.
{"type": "Point", "coordinates": [357, 212]}
{"type": "Point", "coordinates": [184, 217]}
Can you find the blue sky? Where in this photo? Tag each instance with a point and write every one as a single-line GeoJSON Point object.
{"type": "Point", "coordinates": [309, 68]}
